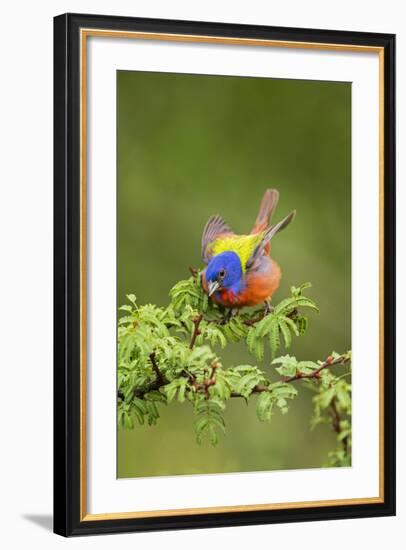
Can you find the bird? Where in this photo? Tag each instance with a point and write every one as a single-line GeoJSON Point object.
{"type": "Point", "coordinates": [239, 271]}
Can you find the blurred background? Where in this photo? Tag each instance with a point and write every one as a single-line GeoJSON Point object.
{"type": "Point", "coordinates": [190, 146]}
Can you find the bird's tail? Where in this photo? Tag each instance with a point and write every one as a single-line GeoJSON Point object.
{"type": "Point", "coordinates": [267, 206]}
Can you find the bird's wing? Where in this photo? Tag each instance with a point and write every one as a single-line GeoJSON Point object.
{"type": "Point", "coordinates": [213, 229]}
{"type": "Point", "coordinates": [242, 245]}
{"type": "Point", "coordinates": [268, 204]}
{"type": "Point", "coordinates": [267, 236]}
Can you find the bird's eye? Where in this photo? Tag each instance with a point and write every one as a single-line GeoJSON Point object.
{"type": "Point", "coordinates": [222, 273]}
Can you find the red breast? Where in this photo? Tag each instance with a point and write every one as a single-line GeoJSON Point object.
{"type": "Point", "coordinates": [260, 286]}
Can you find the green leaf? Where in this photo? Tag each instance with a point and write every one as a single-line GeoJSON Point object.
{"type": "Point", "coordinates": [297, 291]}
{"type": "Point", "coordinates": [244, 368]}
{"type": "Point", "coordinates": [274, 340]}
{"type": "Point", "coordinates": [306, 302]}
{"type": "Point", "coordinates": [182, 390]}
{"type": "Point", "coordinates": [176, 387]}
{"type": "Point", "coordinates": [291, 325]}
{"type": "Point", "coordinates": [288, 365]}
{"type": "Point", "coordinates": [218, 422]}
{"type": "Point", "coordinates": [283, 390]}
{"type": "Point", "coordinates": [248, 383]}
{"type": "Point", "coordinates": [155, 396]}
{"type": "Point", "coordinates": [265, 325]}
{"type": "Point", "coordinates": [259, 350]}
{"type": "Point", "coordinates": [285, 360]}
{"type": "Point", "coordinates": [283, 405]}
{"type": "Point", "coordinates": [326, 397]}
{"type": "Point", "coordinates": [125, 308]}
{"type": "Point", "coordinates": [200, 426]}
{"type": "Point", "coordinates": [210, 420]}
{"type": "Point", "coordinates": [214, 334]}
{"type": "Point", "coordinates": [132, 298]}
{"type": "Point", "coordinates": [251, 339]}
{"type": "Point", "coordinates": [125, 320]}
{"type": "Point", "coordinates": [285, 306]}
{"type": "Point", "coordinates": [301, 323]}
{"type": "Point", "coordinates": [307, 367]}
{"type": "Point", "coordinates": [287, 336]}
{"type": "Point", "coordinates": [343, 398]}
{"type": "Point", "coordinates": [264, 406]}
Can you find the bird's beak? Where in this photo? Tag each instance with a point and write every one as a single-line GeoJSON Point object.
{"type": "Point", "coordinates": [213, 286]}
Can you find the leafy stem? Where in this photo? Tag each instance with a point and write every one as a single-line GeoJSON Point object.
{"type": "Point", "coordinates": [329, 362]}
{"type": "Point", "coordinates": [171, 353]}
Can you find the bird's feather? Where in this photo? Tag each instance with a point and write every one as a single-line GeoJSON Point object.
{"type": "Point", "coordinates": [215, 227]}
{"type": "Point", "coordinates": [242, 245]}
{"type": "Point", "coordinates": [266, 236]}
{"type": "Point", "coordinates": [268, 204]}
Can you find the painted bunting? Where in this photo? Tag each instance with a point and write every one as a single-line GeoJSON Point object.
{"type": "Point", "coordinates": [239, 270]}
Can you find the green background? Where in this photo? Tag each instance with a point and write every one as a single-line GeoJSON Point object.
{"type": "Point", "coordinates": [190, 146]}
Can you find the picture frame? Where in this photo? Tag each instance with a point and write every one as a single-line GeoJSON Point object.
{"type": "Point", "coordinates": [72, 204]}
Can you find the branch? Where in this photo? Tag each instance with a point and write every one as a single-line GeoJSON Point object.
{"type": "Point", "coordinates": [336, 423]}
{"type": "Point", "coordinates": [205, 385]}
{"type": "Point", "coordinates": [160, 378]}
{"type": "Point", "coordinates": [263, 314]}
{"type": "Point", "coordinates": [155, 385]}
{"type": "Point", "coordinates": [329, 362]}
{"type": "Point", "coordinates": [259, 388]}
{"type": "Point", "coordinates": [211, 380]}
{"type": "Point", "coordinates": [196, 321]}
{"type": "Point", "coordinates": [173, 380]}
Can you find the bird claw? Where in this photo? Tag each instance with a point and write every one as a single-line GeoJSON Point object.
{"type": "Point", "coordinates": [227, 317]}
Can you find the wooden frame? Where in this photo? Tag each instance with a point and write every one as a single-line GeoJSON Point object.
{"type": "Point", "coordinates": [71, 32]}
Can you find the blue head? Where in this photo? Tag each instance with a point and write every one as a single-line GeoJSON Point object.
{"type": "Point", "coordinates": [224, 271]}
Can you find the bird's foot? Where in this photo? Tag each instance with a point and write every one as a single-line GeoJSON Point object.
{"type": "Point", "coordinates": [227, 317]}
{"type": "Point", "coordinates": [268, 308]}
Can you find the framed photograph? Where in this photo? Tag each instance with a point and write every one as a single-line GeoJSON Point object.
{"type": "Point", "coordinates": [224, 274]}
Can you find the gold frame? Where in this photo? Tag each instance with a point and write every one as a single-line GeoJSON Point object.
{"type": "Point", "coordinates": [84, 34]}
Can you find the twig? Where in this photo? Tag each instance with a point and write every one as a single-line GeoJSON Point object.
{"type": "Point", "coordinates": [160, 378]}
{"type": "Point", "coordinates": [259, 388]}
{"type": "Point", "coordinates": [155, 385]}
{"type": "Point", "coordinates": [204, 386]}
{"type": "Point", "coordinates": [262, 313]}
{"type": "Point", "coordinates": [329, 362]}
{"type": "Point", "coordinates": [265, 313]}
{"type": "Point", "coordinates": [252, 322]}
{"type": "Point", "coordinates": [196, 321]}
{"type": "Point", "coordinates": [335, 416]}
{"type": "Point", "coordinates": [336, 423]}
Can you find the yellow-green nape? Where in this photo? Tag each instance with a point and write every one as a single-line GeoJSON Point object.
{"type": "Point", "coordinates": [242, 245]}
